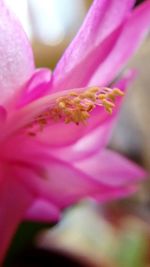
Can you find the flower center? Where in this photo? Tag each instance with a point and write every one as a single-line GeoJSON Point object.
{"type": "Point", "coordinates": [76, 106]}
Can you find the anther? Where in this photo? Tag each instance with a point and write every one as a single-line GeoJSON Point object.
{"type": "Point", "coordinates": [76, 107]}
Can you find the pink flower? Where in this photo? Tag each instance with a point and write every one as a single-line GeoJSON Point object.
{"type": "Point", "coordinates": [54, 127]}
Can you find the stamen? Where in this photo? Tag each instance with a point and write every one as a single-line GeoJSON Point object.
{"type": "Point", "coordinates": [76, 106]}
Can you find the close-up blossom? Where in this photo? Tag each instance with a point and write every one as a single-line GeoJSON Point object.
{"type": "Point", "coordinates": [55, 126]}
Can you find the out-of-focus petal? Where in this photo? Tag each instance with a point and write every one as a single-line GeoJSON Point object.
{"type": "Point", "coordinates": [111, 168]}
{"type": "Point", "coordinates": [36, 87]}
{"type": "Point", "coordinates": [59, 182]}
{"type": "Point", "coordinates": [16, 59]}
{"type": "Point", "coordinates": [3, 116]}
{"type": "Point", "coordinates": [133, 32]}
{"type": "Point", "coordinates": [43, 211]}
{"type": "Point", "coordinates": [117, 193]}
{"type": "Point", "coordinates": [85, 52]}
{"type": "Point", "coordinates": [126, 79]}
{"type": "Point", "coordinates": [14, 201]}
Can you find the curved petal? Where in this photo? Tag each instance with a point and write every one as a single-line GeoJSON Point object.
{"type": "Point", "coordinates": [42, 211]}
{"type": "Point", "coordinates": [111, 168]}
{"type": "Point", "coordinates": [36, 87]}
{"type": "Point", "coordinates": [57, 134]}
{"type": "Point", "coordinates": [104, 17]}
{"type": "Point", "coordinates": [16, 59]}
{"type": "Point", "coordinates": [58, 182]}
{"type": "Point", "coordinates": [133, 32]}
{"type": "Point", "coordinates": [14, 201]}
{"type": "Point", "coordinates": [61, 134]}
{"type": "Point", "coordinates": [87, 145]}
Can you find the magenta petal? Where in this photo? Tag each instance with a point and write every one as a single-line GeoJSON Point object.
{"type": "Point", "coordinates": [116, 193]}
{"type": "Point", "coordinates": [3, 116]}
{"type": "Point", "coordinates": [87, 145]}
{"type": "Point", "coordinates": [61, 134]}
{"type": "Point", "coordinates": [36, 87]}
{"type": "Point", "coordinates": [14, 201]}
{"type": "Point", "coordinates": [16, 59]}
{"type": "Point", "coordinates": [111, 168]}
{"type": "Point", "coordinates": [59, 182]}
{"type": "Point", "coordinates": [43, 211]}
{"type": "Point", "coordinates": [103, 18]}
{"type": "Point", "coordinates": [133, 32]}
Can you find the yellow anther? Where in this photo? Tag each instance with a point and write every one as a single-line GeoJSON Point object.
{"type": "Point", "coordinates": [85, 115]}
{"type": "Point", "coordinates": [118, 92]}
{"type": "Point", "coordinates": [61, 105]}
{"type": "Point", "coordinates": [94, 89]}
{"type": "Point", "coordinates": [108, 109]}
{"type": "Point", "coordinates": [102, 96]}
{"type": "Point", "coordinates": [88, 95]}
{"type": "Point", "coordinates": [90, 107]}
{"type": "Point", "coordinates": [76, 107]}
{"type": "Point", "coordinates": [73, 94]}
{"type": "Point", "coordinates": [77, 100]}
{"type": "Point", "coordinates": [111, 96]}
{"type": "Point", "coordinates": [108, 103]}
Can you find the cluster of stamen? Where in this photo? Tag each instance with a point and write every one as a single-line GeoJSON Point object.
{"type": "Point", "coordinates": [76, 106]}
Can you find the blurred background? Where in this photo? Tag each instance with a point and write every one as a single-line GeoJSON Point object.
{"type": "Point", "coordinates": [117, 233]}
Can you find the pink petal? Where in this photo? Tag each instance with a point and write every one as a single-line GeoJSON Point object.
{"type": "Point", "coordinates": [104, 17]}
{"type": "Point", "coordinates": [36, 87]}
{"type": "Point", "coordinates": [58, 134]}
{"type": "Point", "coordinates": [59, 182]}
{"type": "Point", "coordinates": [43, 211]}
{"type": "Point", "coordinates": [16, 59]}
{"type": "Point", "coordinates": [117, 193]}
{"type": "Point", "coordinates": [87, 145]}
{"type": "Point", "coordinates": [3, 116]}
{"type": "Point", "coordinates": [126, 80]}
{"type": "Point", "coordinates": [111, 168]}
{"type": "Point", "coordinates": [133, 32]}
{"type": "Point", "coordinates": [14, 201]}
